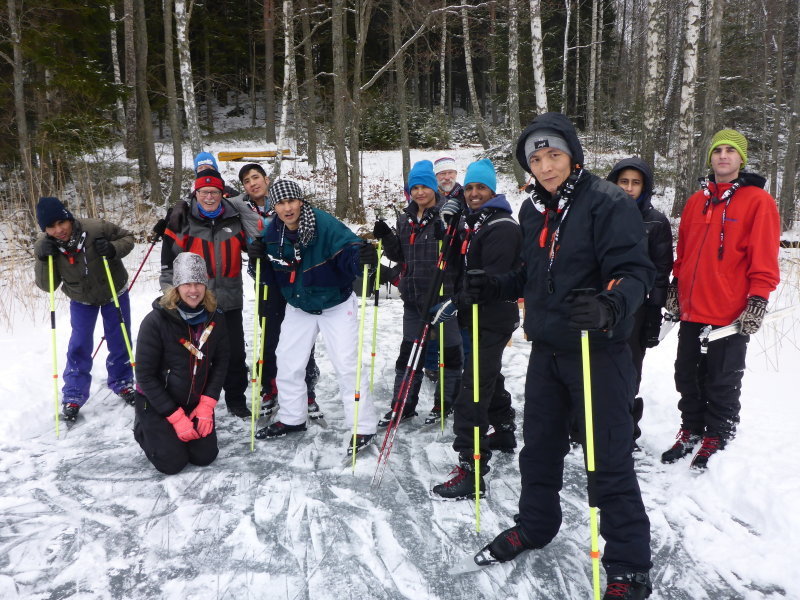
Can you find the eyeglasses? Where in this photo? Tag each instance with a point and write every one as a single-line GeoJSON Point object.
{"type": "Point", "coordinates": [204, 194]}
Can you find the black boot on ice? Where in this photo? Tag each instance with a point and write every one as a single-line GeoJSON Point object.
{"type": "Point", "coordinates": [630, 586]}
{"type": "Point", "coordinates": [686, 441]}
{"type": "Point", "coordinates": [461, 486]}
{"type": "Point", "coordinates": [70, 411]}
{"type": "Point", "coordinates": [506, 546]}
{"type": "Point", "coordinates": [362, 441]}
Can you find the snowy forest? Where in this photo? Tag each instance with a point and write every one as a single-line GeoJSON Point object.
{"type": "Point", "coordinates": [330, 80]}
{"type": "Point", "coordinates": [104, 104]}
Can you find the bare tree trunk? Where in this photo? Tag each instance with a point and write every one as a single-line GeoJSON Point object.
{"type": "Point", "coordinates": [711, 62]}
{"type": "Point", "coordinates": [269, 70]}
{"type": "Point", "coordinates": [402, 107]}
{"type": "Point", "coordinates": [23, 138]}
{"type": "Point", "coordinates": [310, 90]}
{"type": "Point", "coordinates": [778, 101]}
{"type": "Point", "coordinates": [131, 137]}
{"type": "Point", "coordinates": [590, 91]}
{"type": "Point", "coordinates": [652, 106]}
{"type": "Point", "coordinates": [172, 108]}
{"type": "Point", "coordinates": [112, 17]}
{"type": "Point", "coordinates": [443, 63]}
{"type": "Point", "coordinates": [577, 82]}
{"type": "Point", "coordinates": [789, 185]}
{"type": "Point", "coordinates": [564, 58]}
{"type": "Point", "coordinates": [685, 149]}
{"type": "Point", "coordinates": [473, 95]}
{"type": "Point", "coordinates": [182, 16]}
{"type": "Point", "coordinates": [537, 56]}
{"type": "Point", "coordinates": [208, 89]}
{"type": "Point", "coordinates": [145, 116]}
{"type": "Point", "coordinates": [340, 102]}
{"type": "Point", "coordinates": [288, 75]}
{"type": "Point", "coordinates": [513, 83]}
{"type": "Point", "coordinates": [363, 16]}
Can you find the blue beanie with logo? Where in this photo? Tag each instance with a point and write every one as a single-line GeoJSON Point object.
{"type": "Point", "coordinates": [481, 171]}
{"type": "Point", "coordinates": [422, 174]}
{"type": "Point", "coordinates": [49, 210]}
{"type": "Point", "coordinates": [205, 158]}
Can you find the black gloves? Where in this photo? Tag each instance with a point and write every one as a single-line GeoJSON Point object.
{"type": "Point", "coordinates": [159, 228]}
{"type": "Point", "coordinates": [478, 288]}
{"type": "Point", "coordinates": [588, 312]}
{"type": "Point", "coordinates": [753, 314]}
{"type": "Point", "coordinates": [48, 247]}
{"type": "Point", "coordinates": [651, 326]}
{"type": "Point", "coordinates": [256, 249]}
{"type": "Point", "coordinates": [381, 229]}
{"type": "Point", "coordinates": [672, 306]}
{"type": "Point", "coordinates": [451, 208]}
{"type": "Point", "coordinates": [438, 229]}
{"type": "Point", "coordinates": [105, 248]}
{"type": "Point", "coordinates": [444, 311]}
{"type": "Point", "coordinates": [367, 255]}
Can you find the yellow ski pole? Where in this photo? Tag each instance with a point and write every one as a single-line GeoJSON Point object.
{"type": "Point", "coordinates": [364, 282]}
{"type": "Point", "coordinates": [53, 335]}
{"type": "Point", "coordinates": [476, 395]}
{"type": "Point", "coordinates": [119, 312]}
{"type": "Point", "coordinates": [375, 316]}
{"type": "Point", "coordinates": [590, 472]}
{"type": "Point", "coordinates": [254, 378]}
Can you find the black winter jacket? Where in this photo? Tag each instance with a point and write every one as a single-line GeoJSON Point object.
{"type": "Point", "coordinates": [495, 248]}
{"type": "Point", "coordinates": [167, 373]}
{"type": "Point", "coordinates": [657, 228]}
{"type": "Point", "coordinates": [601, 245]}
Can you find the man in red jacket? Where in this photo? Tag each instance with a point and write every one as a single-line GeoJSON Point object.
{"type": "Point", "coordinates": [726, 267]}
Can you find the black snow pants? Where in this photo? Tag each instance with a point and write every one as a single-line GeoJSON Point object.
{"type": "Point", "coordinates": [553, 396]}
{"type": "Point", "coordinates": [709, 384]}
{"type": "Point", "coordinates": [494, 402]}
{"type": "Point", "coordinates": [161, 444]}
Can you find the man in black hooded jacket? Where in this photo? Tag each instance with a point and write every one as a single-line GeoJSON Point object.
{"type": "Point", "coordinates": [635, 177]}
{"type": "Point", "coordinates": [579, 232]}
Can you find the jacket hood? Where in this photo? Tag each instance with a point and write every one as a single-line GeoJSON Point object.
{"type": "Point", "coordinates": [499, 202]}
{"type": "Point", "coordinates": [554, 121]}
{"type": "Point", "coordinates": [637, 163]}
{"type": "Point", "coordinates": [747, 179]}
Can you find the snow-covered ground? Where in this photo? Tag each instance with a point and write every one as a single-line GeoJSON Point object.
{"type": "Point", "coordinates": [84, 515]}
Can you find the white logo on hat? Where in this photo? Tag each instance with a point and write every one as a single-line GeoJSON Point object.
{"type": "Point", "coordinates": [537, 144]}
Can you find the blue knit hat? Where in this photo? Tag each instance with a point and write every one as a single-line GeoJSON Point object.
{"type": "Point", "coordinates": [49, 210]}
{"type": "Point", "coordinates": [205, 158]}
{"type": "Point", "coordinates": [422, 174]}
{"type": "Point", "coordinates": [481, 171]}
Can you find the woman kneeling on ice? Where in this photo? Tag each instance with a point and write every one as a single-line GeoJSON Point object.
{"type": "Point", "coordinates": [181, 361]}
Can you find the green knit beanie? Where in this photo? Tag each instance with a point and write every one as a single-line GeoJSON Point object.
{"type": "Point", "coordinates": [731, 137]}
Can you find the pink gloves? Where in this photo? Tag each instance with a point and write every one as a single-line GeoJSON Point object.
{"type": "Point", "coordinates": [205, 415]}
{"type": "Point", "coordinates": [183, 426]}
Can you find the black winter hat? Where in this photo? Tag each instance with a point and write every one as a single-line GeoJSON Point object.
{"type": "Point", "coordinates": [49, 210]}
{"type": "Point", "coordinates": [550, 123]}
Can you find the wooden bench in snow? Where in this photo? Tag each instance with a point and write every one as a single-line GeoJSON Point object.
{"type": "Point", "coordinates": [252, 154]}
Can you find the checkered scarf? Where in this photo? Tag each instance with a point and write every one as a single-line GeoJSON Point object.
{"type": "Point", "coordinates": [284, 189]}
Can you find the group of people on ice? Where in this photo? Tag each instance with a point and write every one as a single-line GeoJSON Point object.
{"type": "Point", "coordinates": [587, 255]}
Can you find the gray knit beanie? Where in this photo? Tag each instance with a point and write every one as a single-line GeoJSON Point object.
{"type": "Point", "coordinates": [545, 138]}
{"type": "Point", "coordinates": [189, 268]}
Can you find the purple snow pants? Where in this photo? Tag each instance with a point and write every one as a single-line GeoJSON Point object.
{"type": "Point", "coordinates": [78, 372]}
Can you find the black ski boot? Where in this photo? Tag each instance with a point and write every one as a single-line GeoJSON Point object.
{"type": "Point", "coordinates": [461, 486]}
{"type": "Point", "coordinates": [314, 411]}
{"type": "Point", "coordinates": [362, 441]}
{"type": "Point", "coordinates": [684, 446]}
{"type": "Point", "coordinates": [630, 586]}
{"type": "Point", "coordinates": [278, 429]}
{"type": "Point", "coordinates": [269, 400]}
{"type": "Point", "coordinates": [70, 411]}
{"type": "Point", "coordinates": [436, 414]}
{"type": "Point", "coordinates": [128, 394]}
{"type": "Point", "coordinates": [709, 447]}
{"type": "Point", "coordinates": [410, 409]}
{"type": "Point", "coordinates": [503, 438]}
{"type": "Point", "coordinates": [506, 546]}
